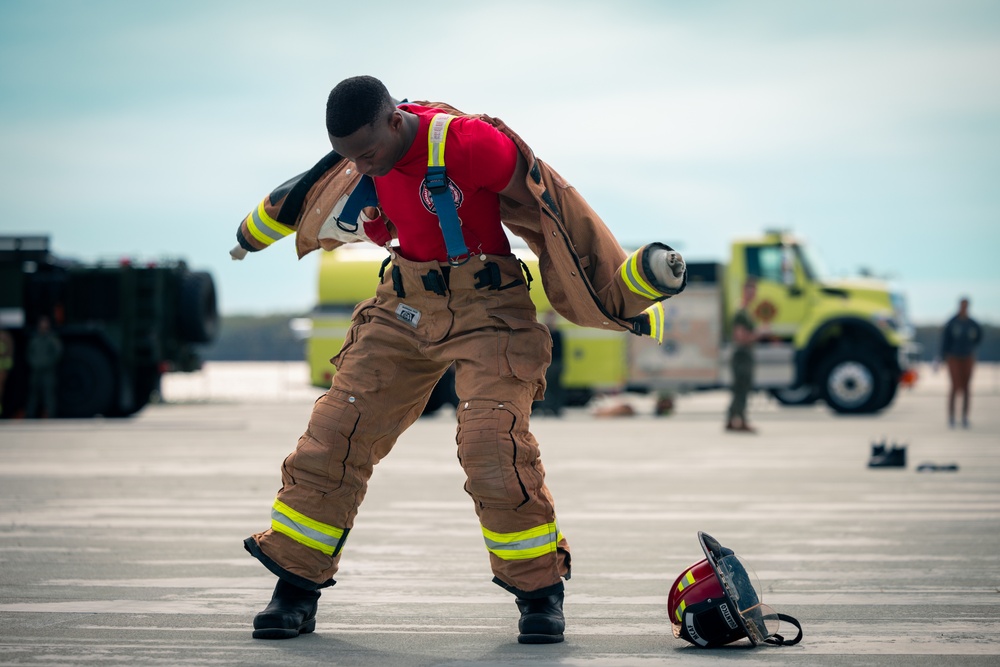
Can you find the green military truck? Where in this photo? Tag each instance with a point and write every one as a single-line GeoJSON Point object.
{"type": "Point", "coordinates": [121, 325]}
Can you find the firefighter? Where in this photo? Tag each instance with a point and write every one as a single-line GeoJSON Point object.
{"type": "Point", "coordinates": [451, 292]}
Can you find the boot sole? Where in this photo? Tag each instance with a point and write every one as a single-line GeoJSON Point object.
{"type": "Point", "coordinates": [539, 639]}
{"type": "Point", "coordinates": [285, 633]}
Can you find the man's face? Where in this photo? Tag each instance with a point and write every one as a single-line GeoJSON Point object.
{"type": "Point", "coordinates": [374, 149]}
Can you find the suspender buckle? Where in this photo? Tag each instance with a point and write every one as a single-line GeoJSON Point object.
{"type": "Point", "coordinates": [436, 181]}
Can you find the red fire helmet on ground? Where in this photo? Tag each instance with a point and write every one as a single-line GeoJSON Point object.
{"type": "Point", "coordinates": [717, 601]}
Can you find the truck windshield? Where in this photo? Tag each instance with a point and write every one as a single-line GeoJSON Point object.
{"type": "Point", "coordinates": [811, 264]}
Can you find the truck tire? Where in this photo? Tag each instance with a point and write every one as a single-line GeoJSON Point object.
{"type": "Point", "coordinates": [144, 381]}
{"type": "Point", "coordinates": [87, 382]}
{"type": "Point", "coordinates": [854, 382]}
{"type": "Point", "coordinates": [197, 316]}
{"type": "Point", "coordinates": [804, 395]}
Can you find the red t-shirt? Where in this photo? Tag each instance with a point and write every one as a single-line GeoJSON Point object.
{"type": "Point", "coordinates": [479, 162]}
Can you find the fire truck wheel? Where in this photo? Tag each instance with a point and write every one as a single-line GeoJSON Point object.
{"type": "Point", "coordinates": [87, 381]}
{"type": "Point", "coordinates": [854, 382]}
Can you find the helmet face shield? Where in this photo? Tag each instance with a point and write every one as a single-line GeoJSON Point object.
{"type": "Point", "coordinates": [741, 585]}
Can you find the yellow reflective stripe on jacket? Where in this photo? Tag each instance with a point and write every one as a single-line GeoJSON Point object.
{"type": "Point", "coordinates": [525, 544]}
{"type": "Point", "coordinates": [656, 319]}
{"type": "Point", "coordinates": [632, 275]}
{"type": "Point", "coordinates": [264, 228]}
{"type": "Point", "coordinates": [436, 136]}
{"type": "Point", "coordinates": [314, 534]}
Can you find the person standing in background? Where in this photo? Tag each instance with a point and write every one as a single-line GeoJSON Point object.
{"type": "Point", "coordinates": [6, 360]}
{"type": "Point", "coordinates": [44, 352]}
{"type": "Point", "coordinates": [959, 340]}
{"type": "Point", "coordinates": [742, 362]}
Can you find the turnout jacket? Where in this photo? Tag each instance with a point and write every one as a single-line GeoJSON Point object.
{"type": "Point", "coordinates": [580, 261]}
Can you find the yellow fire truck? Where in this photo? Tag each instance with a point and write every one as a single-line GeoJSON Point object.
{"type": "Point", "coordinates": [847, 342]}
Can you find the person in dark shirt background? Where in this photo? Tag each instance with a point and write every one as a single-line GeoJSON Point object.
{"type": "Point", "coordinates": [959, 340]}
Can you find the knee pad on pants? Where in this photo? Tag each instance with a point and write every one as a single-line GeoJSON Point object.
{"type": "Point", "coordinates": [499, 455]}
{"type": "Point", "coordinates": [319, 459]}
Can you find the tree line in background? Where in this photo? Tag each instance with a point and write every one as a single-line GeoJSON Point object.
{"type": "Point", "coordinates": [270, 338]}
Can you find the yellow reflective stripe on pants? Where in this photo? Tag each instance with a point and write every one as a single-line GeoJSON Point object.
{"type": "Point", "coordinates": [314, 534]}
{"type": "Point", "coordinates": [632, 276]}
{"type": "Point", "coordinates": [264, 228]}
{"type": "Point", "coordinates": [525, 544]}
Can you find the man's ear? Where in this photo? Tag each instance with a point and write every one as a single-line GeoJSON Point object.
{"type": "Point", "coordinates": [395, 120]}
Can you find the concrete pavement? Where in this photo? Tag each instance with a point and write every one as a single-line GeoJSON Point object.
{"type": "Point", "coordinates": [120, 541]}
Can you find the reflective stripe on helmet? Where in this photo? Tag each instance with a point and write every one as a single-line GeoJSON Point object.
{"type": "Point", "coordinates": [682, 605]}
{"type": "Point", "coordinates": [683, 582]}
{"type": "Point", "coordinates": [632, 275]}
{"type": "Point", "coordinates": [525, 544]}
{"type": "Point", "coordinates": [313, 534]}
{"type": "Point", "coordinates": [264, 228]}
{"type": "Point", "coordinates": [686, 580]}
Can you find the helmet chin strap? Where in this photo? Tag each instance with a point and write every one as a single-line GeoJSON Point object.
{"type": "Point", "coordinates": [778, 640]}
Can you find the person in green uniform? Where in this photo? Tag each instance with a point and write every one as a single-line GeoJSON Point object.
{"type": "Point", "coordinates": [6, 360]}
{"type": "Point", "coordinates": [44, 352]}
{"type": "Point", "coordinates": [744, 337]}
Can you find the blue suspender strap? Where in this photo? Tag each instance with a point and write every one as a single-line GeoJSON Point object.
{"type": "Point", "coordinates": [437, 184]}
{"type": "Point", "coordinates": [361, 196]}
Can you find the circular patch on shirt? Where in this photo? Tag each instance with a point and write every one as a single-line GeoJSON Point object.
{"type": "Point", "coordinates": [428, 201]}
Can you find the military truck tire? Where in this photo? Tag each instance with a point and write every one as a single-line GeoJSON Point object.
{"type": "Point", "coordinates": [854, 382]}
{"type": "Point", "coordinates": [198, 319]}
{"type": "Point", "coordinates": [87, 382]}
{"type": "Point", "coordinates": [804, 395]}
{"type": "Point", "coordinates": [144, 382]}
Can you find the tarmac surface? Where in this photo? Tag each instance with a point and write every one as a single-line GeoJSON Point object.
{"type": "Point", "coordinates": [121, 540]}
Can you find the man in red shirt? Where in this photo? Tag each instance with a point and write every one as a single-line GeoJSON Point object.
{"type": "Point", "coordinates": [435, 307]}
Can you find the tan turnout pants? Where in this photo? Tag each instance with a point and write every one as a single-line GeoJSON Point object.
{"type": "Point", "coordinates": [480, 318]}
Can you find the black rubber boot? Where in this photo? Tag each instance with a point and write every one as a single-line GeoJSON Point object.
{"type": "Point", "coordinates": [542, 620]}
{"type": "Point", "coordinates": [291, 612]}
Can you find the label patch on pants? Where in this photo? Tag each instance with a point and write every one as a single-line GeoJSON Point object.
{"type": "Point", "coordinates": [409, 315]}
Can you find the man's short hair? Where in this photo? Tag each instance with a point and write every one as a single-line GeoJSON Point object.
{"type": "Point", "coordinates": [354, 103]}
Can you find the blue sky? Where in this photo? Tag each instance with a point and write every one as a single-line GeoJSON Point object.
{"type": "Point", "coordinates": [870, 128]}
